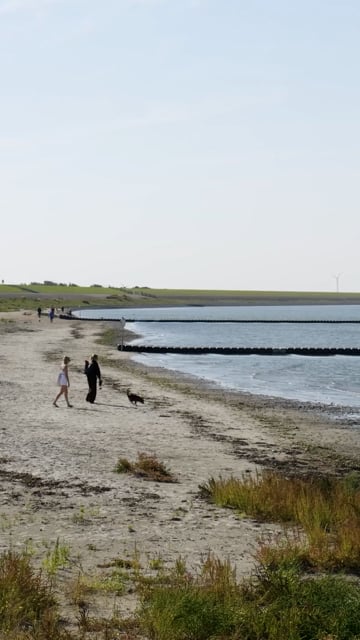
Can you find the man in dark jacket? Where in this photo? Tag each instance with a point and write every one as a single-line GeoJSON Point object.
{"type": "Point", "coordinates": [92, 371]}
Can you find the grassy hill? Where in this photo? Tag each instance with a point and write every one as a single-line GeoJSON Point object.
{"type": "Point", "coordinates": [30, 296]}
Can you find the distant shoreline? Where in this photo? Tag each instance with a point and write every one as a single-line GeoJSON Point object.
{"type": "Point", "coordinates": [238, 303]}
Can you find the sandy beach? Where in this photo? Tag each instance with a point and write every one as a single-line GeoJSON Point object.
{"type": "Point", "coordinates": [57, 465]}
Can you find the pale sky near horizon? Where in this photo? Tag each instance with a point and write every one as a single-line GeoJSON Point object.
{"type": "Point", "coordinates": [209, 144]}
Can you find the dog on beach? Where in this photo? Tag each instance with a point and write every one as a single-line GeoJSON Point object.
{"type": "Point", "coordinates": [134, 398]}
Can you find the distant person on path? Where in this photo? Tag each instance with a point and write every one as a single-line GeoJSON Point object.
{"type": "Point", "coordinates": [93, 373]}
{"type": "Point", "coordinates": [64, 382]}
{"type": "Point", "coordinates": [52, 314]}
{"type": "Point", "coordinates": [39, 313]}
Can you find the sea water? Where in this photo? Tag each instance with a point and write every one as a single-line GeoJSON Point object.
{"type": "Point", "coordinates": [329, 380]}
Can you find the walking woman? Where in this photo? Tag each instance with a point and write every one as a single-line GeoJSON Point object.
{"type": "Point", "coordinates": [63, 382]}
{"type": "Point", "coordinates": [93, 373]}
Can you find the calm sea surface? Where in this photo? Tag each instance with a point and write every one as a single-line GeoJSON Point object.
{"type": "Point", "coordinates": [328, 380]}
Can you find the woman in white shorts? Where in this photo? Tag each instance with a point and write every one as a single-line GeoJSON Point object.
{"type": "Point", "coordinates": [63, 382]}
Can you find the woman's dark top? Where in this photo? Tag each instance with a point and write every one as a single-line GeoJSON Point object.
{"type": "Point", "coordinates": [92, 371]}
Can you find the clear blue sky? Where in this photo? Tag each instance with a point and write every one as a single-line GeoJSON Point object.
{"type": "Point", "coordinates": [181, 143]}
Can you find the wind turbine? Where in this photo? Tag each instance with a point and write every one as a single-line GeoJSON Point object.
{"type": "Point", "coordinates": [337, 279]}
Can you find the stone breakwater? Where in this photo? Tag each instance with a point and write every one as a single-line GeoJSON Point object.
{"type": "Point", "coordinates": [242, 351]}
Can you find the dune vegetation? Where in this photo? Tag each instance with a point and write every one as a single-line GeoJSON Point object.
{"type": "Point", "coordinates": [305, 584]}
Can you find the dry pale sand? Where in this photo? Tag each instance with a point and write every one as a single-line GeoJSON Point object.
{"type": "Point", "coordinates": [57, 465]}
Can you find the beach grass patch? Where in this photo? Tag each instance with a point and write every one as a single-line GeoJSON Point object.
{"type": "Point", "coordinates": [146, 466]}
{"type": "Point", "coordinates": [113, 582]}
{"type": "Point", "coordinates": [109, 336]}
{"type": "Point", "coordinates": [326, 510]}
{"type": "Point", "coordinates": [8, 325]}
{"type": "Point", "coordinates": [85, 515]}
{"type": "Point", "coordinates": [282, 604]}
{"type": "Point", "coordinates": [273, 604]}
{"type": "Point", "coordinates": [26, 599]}
{"type": "Point", "coordinates": [56, 558]}
{"type": "Point", "coordinates": [178, 604]}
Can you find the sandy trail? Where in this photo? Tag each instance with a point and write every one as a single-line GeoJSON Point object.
{"type": "Point", "coordinates": [57, 465]}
